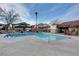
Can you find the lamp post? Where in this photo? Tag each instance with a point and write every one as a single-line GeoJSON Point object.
{"type": "Point", "coordinates": [36, 20]}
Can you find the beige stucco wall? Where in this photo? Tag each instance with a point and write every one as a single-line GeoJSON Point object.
{"type": "Point", "coordinates": [18, 28]}
{"type": "Point", "coordinates": [53, 28]}
{"type": "Point", "coordinates": [74, 30]}
{"type": "Point", "coordinates": [78, 31]}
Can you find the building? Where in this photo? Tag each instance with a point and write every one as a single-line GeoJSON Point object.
{"type": "Point", "coordinates": [2, 29]}
{"type": "Point", "coordinates": [70, 27]}
{"type": "Point", "coordinates": [53, 28]}
{"type": "Point", "coordinates": [23, 27]}
{"type": "Point", "coordinates": [41, 28]}
{"type": "Point", "coordinates": [1, 26]}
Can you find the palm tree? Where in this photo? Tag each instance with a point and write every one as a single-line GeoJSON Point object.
{"type": "Point", "coordinates": [9, 17]}
{"type": "Point", "coordinates": [36, 20]}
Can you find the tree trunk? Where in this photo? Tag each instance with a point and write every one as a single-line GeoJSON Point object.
{"type": "Point", "coordinates": [6, 27]}
{"type": "Point", "coordinates": [9, 28]}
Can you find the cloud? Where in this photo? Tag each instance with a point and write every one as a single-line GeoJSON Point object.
{"type": "Point", "coordinates": [30, 21]}
{"type": "Point", "coordinates": [73, 10]}
{"type": "Point", "coordinates": [71, 14]}
{"type": "Point", "coordinates": [53, 9]}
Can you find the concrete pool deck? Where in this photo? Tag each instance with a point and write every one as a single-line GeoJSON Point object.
{"type": "Point", "coordinates": [32, 46]}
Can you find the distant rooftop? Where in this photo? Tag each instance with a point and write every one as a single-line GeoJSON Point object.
{"type": "Point", "coordinates": [70, 24]}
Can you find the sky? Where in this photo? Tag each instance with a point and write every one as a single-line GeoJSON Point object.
{"type": "Point", "coordinates": [47, 12]}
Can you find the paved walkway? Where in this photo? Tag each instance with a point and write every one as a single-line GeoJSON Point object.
{"type": "Point", "coordinates": [30, 46]}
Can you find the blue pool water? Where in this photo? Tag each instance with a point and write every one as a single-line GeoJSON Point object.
{"type": "Point", "coordinates": [38, 35]}
{"type": "Point", "coordinates": [50, 37]}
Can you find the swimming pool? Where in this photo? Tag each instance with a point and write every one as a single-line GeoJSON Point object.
{"type": "Point", "coordinates": [42, 36]}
